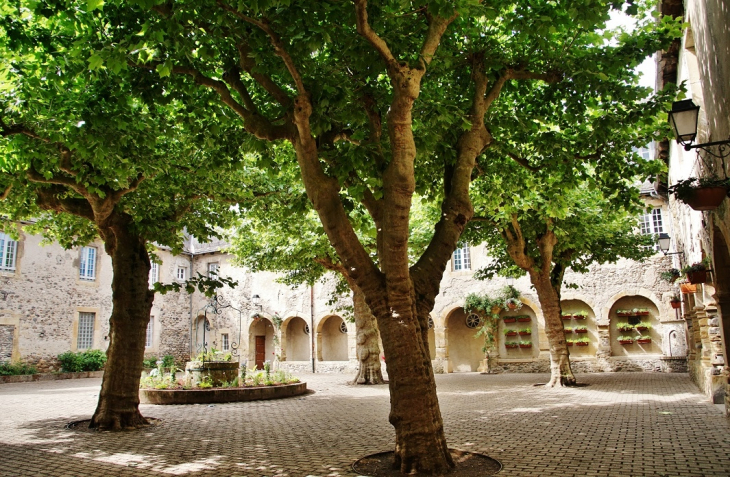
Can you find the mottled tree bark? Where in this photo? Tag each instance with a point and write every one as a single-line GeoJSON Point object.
{"type": "Point", "coordinates": [368, 348]}
{"type": "Point", "coordinates": [118, 406]}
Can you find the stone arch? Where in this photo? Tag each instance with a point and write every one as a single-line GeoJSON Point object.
{"type": "Point", "coordinates": [295, 339]}
{"type": "Point", "coordinates": [332, 343]}
{"type": "Point", "coordinates": [463, 349]}
{"type": "Point", "coordinates": [633, 302]}
{"type": "Point", "coordinates": [261, 346]}
{"type": "Point", "coordinates": [573, 306]}
{"type": "Point", "coordinates": [537, 330]}
{"type": "Point", "coordinates": [604, 317]}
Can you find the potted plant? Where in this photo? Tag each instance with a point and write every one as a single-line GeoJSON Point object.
{"type": "Point", "coordinates": [568, 329]}
{"type": "Point", "coordinates": [625, 327]}
{"type": "Point", "coordinates": [644, 339]}
{"type": "Point", "coordinates": [511, 344]}
{"type": "Point", "coordinates": [523, 318]}
{"type": "Point", "coordinates": [525, 344]}
{"type": "Point", "coordinates": [675, 301]}
{"type": "Point", "coordinates": [623, 312]}
{"type": "Point", "coordinates": [509, 332]}
{"type": "Point", "coordinates": [567, 316]}
{"type": "Point", "coordinates": [640, 311]}
{"type": "Point", "coordinates": [625, 339]}
{"type": "Point", "coordinates": [671, 275]}
{"type": "Point", "coordinates": [513, 303]}
{"type": "Point", "coordinates": [509, 319]}
{"type": "Point", "coordinates": [642, 326]}
{"type": "Point", "coordinates": [525, 331]}
{"type": "Point", "coordinates": [701, 193]}
{"type": "Point", "coordinates": [580, 329]}
{"type": "Point", "coordinates": [583, 341]}
{"type": "Point", "coordinates": [569, 342]}
{"type": "Point", "coordinates": [697, 272]}
{"type": "Point", "coordinates": [581, 315]}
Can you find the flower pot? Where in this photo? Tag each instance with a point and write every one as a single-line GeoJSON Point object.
{"type": "Point", "coordinates": [525, 333]}
{"type": "Point", "coordinates": [579, 317]}
{"type": "Point", "coordinates": [676, 304]}
{"type": "Point", "coordinates": [568, 343]}
{"type": "Point", "coordinates": [511, 333]}
{"type": "Point", "coordinates": [706, 198]}
{"type": "Point", "coordinates": [644, 341]}
{"type": "Point", "coordinates": [641, 328]}
{"type": "Point", "coordinates": [511, 306]}
{"type": "Point", "coordinates": [582, 344]}
{"type": "Point", "coordinates": [524, 319]}
{"type": "Point", "coordinates": [567, 317]}
{"type": "Point", "coordinates": [510, 346]}
{"type": "Point", "coordinates": [623, 342]}
{"type": "Point", "coordinates": [688, 288]}
{"type": "Point", "coordinates": [509, 319]}
{"type": "Point", "coordinates": [581, 331]}
{"type": "Point", "coordinates": [525, 346]}
{"type": "Point", "coordinates": [642, 313]}
{"type": "Point", "coordinates": [697, 277]}
{"type": "Point", "coordinates": [624, 313]}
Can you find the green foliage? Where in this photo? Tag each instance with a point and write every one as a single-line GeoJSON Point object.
{"type": "Point", "coordinates": [685, 189]}
{"type": "Point", "coordinates": [16, 369]}
{"type": "Point", "coordinates": [205, 382]}
{"type": "Point", "coordinates": [670, 275]}
{"type": "Point", "coordinates": [168, 361]}
{"type": "Point", "coordinates": [582, 339]}
{"type": "Point", "coordinates": [267, 368]}
{"type": "Point", "coordinates": [624, 327]}
{"type": "Point", "coordinates": [697, 266]}
{"type": "Point", "coordinates": [277, 320]}
{"type": "Point", "coordinates": [488, 309]}
{"type": "Point", "coordinates": [625, 338]}
{"type": "Point", "coordinates": [89, 360]}
{"type": "Point", "coordinates": [643, 324]}
{"type": "Point", "coordinates": [149, 362]}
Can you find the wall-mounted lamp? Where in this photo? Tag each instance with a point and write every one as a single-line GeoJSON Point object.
{"type": "Point", "coordinates": [511, 281]}
{"type": "Point", "coordinates": [683, 118]}
{"type": "Point", "coordinates": [257, 302]}
{"type": "Point", "coordinates": [664, 243]}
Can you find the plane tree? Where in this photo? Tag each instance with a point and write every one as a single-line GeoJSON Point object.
{"type": "Point", "coordinates": [378, 102]}
{"type": "Point", "coordinates": [86, 154]}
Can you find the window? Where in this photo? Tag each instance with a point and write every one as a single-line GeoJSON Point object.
{"type": "Point", "coordinates": [652, 223]}
{"type": "Point", "coordinates": [85, 337]}
{"type": "Point", "coordinates": [462, 259]}
{"type": "Point", "coordinates": [148, 337]}
{"type": "Point", "coordinates": [213, 269]}
{"type": "Point", "coordinates": [154, 273]}
{"type": "Point", "coordinates": [87, 266]}
{"type": "Point", "coordinates": [182, 273]}
{"type": "Point", "coordinates": [645, 152]}
{"type": "Point", "coordinates": [224, 341]}
{"type": "Point", "coordinates": [8, 251]}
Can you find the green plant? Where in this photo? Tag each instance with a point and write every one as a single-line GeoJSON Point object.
{"type": "Point", "coordinates": [508, 331]}
{"type": "Point", "coordinates": [583, 339]}
{"type": "Point", "coordinates": [525, 342]}
{"type": "Point", "coordinates": [227, 357]}
{"type": "Point", "coordinates": [207, 355]}
{"type": "Point", "coordinates": [670, 275]}
{"type": "Point", "coordinates": [16, 369]}
{"type": "Point", "coordinates": [525, 331]}
{"type": "Point", "coordinates": [205, 383]}
{"type": "Point", "coordinates": [701, 266]}
{"type": "Point", "coordinates": [257, 379]}
{"type": "Point", "coordinates": [568, 329]}
{"type": "Point", "coordinates": [149, 362]}
{"type": "Point", "coordinates": [624, 327]}
{"type": "Point", "coordinates": [89, 360]}
{"type": "Point", "coordinates": [168, 361]}
{"type": "Point", "coordinates": [267, 368]}
{"type": "Point", "coordinates": [625, 338]}
{"type": "Point", "coordinates": [644, 337]}
{"type": "Point", "coordinates": [511, 343]}
{"type": "Point", "coordinates": [675, 299]}
{"type": "Point", "coordinates": [580, 329]}
{"type": "Point", "coordinates": [643, 325]}
{"type": "Point", "coordinates": [276, 319]}
{"type": "Point", "coordinates": [582, 313]}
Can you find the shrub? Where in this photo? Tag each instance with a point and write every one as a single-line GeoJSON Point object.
{"type": "Point", "coordinates": [168, 361]}
{"type": "Point", "coordinates": [150, 362]}
{"type": "Point", "coordinates": [89, 360]}
{"type": "Point", "coordinates": [15, 369]}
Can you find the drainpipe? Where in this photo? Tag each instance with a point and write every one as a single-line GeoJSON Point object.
{"type": "Point", "coordinates": [311, 323]}
{"type": "Point", "coordinates": [192, 310]}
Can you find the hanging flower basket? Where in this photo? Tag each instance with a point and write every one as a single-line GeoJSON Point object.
{"type": "Point", "coordinates": [704, 193]}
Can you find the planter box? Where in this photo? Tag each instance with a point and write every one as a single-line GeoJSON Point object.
{"type": "Point", "coordinates": [625, 313]}
{"type": "Point", "coordinates": [579, 317]}
{"type": "Point", "coordinates": [524, 319]}
{"type": "Point", "coordinates": [509, 319]}
{"type": "Point", "coordinates": [567, 317]}
{"type": "Point", "coordinates": [511, 333]}
{"type": "Point", "coordinates": [582, 344]}
{"type": "Point", "coordinates": [580, 331]}
{"type": "Point", "coordinates": [525, 346]}
{"type": "Point", "coordinates": [625, 342]}
{"type": "Point", "coordinates": [568, 344]}
{"type": "Point", "coordinates": [642, 313]}
{"type": "Point", "coordinates": [697, 277]}
{"type": "Point", "coordinates": [510, 346]}
{"type": "Point", "coordinates": [688, 288]}
{"type": "Point", "coordinates": [525, 333]}
{"type": "Point", "coordinates": [644, 341]}
{"type": "Point", "coordinates": [641, 328]}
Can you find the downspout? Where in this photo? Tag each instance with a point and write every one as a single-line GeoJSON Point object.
{"type": "Point", "coordinates": [192, 310]}
{"type": "Point", "coordinates": [311, 323]}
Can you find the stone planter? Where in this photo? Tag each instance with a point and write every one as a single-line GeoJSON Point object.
{"type": "Point", "coordinates": [204, 396]}
{"type": "Point", "coordinates": [218, 371]}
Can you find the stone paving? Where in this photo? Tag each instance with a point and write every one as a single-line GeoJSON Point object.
{"type": "Point", "coordinates": [617, 424]}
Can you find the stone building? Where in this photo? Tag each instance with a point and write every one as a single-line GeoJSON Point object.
{"type": "Point", "coordinates": [56, 300]}
{"type": "Point", "coordinates": [701, 60]}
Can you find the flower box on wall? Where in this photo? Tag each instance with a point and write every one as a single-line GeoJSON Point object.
{"type": "Point", "coordinates": [510, 333]}
{"type": "Point", "coordinates": [567, 316]}
{"type": "Point", "coordinates": [511, 345]}
{"type": "Point", "coordinates": [688, 288]}
{"type": "Point", "coordinates": [509, 319]}
{"type": "Point", "coordinates": [644, 340]}
{"type": "Point", "coordinates": [569, 343]}
{"type": "Point", "coordinates": [525, 345]}
{"type": "Point", "coordinates": [523, 318]}
{"type": "Point", "coordinates": [581, 343]}
{"type": "Point", "coordinates": [580, 330]}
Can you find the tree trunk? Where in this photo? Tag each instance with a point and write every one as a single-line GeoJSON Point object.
{"type": "Point", "coordinates": [132, 302]}
{"type": "Point", "coordinates": [368, 349]}
{"type": "Point", "coordinates": [420, 444]}
{"type": "Point", "coordinates": [560, 372]}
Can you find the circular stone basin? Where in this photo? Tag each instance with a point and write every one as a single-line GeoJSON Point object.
{"type": "Point", "coordinates": [219, 395]}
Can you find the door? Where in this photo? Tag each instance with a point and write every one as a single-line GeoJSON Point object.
{"type": "Point", "coordinates": [260, 351]}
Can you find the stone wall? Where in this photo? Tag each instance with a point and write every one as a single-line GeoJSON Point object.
{"type": "Point", "coordinates": [7, 333]}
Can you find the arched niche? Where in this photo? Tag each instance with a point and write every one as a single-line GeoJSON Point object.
{"type": "Point", "coordinates": [576, 308]}
{"type": "Point", "coordinates": [633, 310]}
{"type": "Point", "coordinates": [261, 342]}
{"type": "Point", "coordinates": [295, 340]}
{"type": "Point", "coordinates": [332, 339]}
{"type": "Point", "coordinates": [464, 349]}
{"type": "Point", "coordinates": [521, 327]}
{"type": "Point", "coordinates": [202, 335]}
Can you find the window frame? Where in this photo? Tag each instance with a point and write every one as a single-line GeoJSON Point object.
{"type": "Point", "coordinates": [461, 258]}
{"type": "Point", "coordinates": [184, 273]}
{"type": "Point", "coordinates": [86, 262]}
{"type": "Point", "coordinates": [215, 273]}
{"type": "Point", "coordinates": [149, 336]}
{"type": "Point", "coordinates": [84, 335]}
{"type": "Point", "coordinates": [154, 273]}
{"type": "Point", "coordinates": [225, 342]}
{"type": "Point", "coordinates": [7, 244]}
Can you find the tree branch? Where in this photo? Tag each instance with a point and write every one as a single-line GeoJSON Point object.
{"type": "Point", "coordinates": [436, 28]}
{"type": "Point", "coordinates": [363, 28]}
{"type": "Point", "coordinates": [233, 78]}
{"type": "Point", "coordinates": [248, 64]}
{"type": "Point", "coordinates": [522, 161]}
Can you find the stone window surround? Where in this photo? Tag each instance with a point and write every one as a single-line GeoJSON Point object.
{"type": "Point", "coordinates": [97, 336]}
{"type": "Point", "coordinates": [88, 273]}
{"type": "Point", "coordinates": [462, 263]}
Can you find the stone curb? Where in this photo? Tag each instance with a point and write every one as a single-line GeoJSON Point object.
{"type": "Point", "coordinates": [27, 378]}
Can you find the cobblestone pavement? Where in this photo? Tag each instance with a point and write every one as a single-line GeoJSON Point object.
{"type": "Point", "coordinates": [618, 424]}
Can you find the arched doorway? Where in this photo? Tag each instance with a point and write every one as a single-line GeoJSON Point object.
{"type": "Point", "coordinates": [297, 342]}
{"type": "Point", "coordinates": [464, 349]}
{"type": "Point", "coordinates": [332, 339]}
{"type": "Point", "coordinates": [261, 342]}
